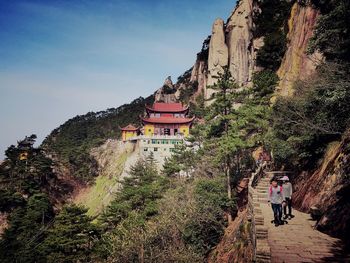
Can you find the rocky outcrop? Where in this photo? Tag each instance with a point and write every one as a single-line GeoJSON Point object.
{"type": "Point", "coordinates": [167, 92]}
{"type": "Point", "coordinates": [114, 159]}
{"type": "Point", "coordinates": [232, 45]}
{"type": "Point", "coordinates": [218, 54]}
{"type": "Point", "coordinates": [199, 74]}
{"type": "Point", "coordinates": [239, 41]}
{"type": "Point", "coordinates": [328, 189]}
{"type": "Point", "coordinates": [297, 64]}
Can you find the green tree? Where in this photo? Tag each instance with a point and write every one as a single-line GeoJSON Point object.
{"type": "Point", "coordinates": [332, 34]}
{"type": "Point", "coordinates": [317, 114]}
{"type": "Point", "coordinates": [72, 238]}
{"type": "Point", "coordinates": [226, 95]}
{"type": "Point", "coordinates": [27, 226]}
{"type": "Point", "coordinates": [182, 159]}
{"type": "Point", "coordinates": [139, 192]}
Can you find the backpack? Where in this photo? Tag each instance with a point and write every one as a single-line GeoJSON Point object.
{"type": "Point", "coordinates": [270, 189]}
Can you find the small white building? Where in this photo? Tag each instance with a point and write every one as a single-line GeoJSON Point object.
{"type": "Point", "coordinates": [162, 146]}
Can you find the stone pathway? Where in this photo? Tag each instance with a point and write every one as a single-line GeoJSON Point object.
{"type": "Point", "coordinates": [297, 241]}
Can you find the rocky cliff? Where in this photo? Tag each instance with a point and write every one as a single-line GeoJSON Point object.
{"type": "Point", "coordinates": [218, 53]}
{"type": "Point", "coordinates": [328, 189]}
{"type": "Point", "coordinates": [297, 64]}
{"type": "Point", "coordinates": [167, 93]}
{"type": "Point", "coordinates": [239, 38]}
{"type": "Point", "coordinates": [232, 45]}
{"type": "Point", "coordinates": [114, 159]}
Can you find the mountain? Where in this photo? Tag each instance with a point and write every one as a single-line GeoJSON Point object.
{"type": "Point", "coordinates": [273, 77]}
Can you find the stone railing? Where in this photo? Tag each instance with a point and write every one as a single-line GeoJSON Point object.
{"type": "Point", "coordinates": [155, 137]}
{"type": "Point", "coordinates": [259, 232]}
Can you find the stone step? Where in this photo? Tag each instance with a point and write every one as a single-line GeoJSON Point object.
{"type": "Point", "coordinates": [257, 211]}
{"type": "Point", "coordinates": [261, 232]}
{"type": "Point", "coordinates": [263, 185]}
{"type": "Point", "coordinates": [262, 260]}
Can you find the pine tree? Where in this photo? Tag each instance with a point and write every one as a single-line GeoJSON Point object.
{"type": "Point", "coordinates": [73, 237]}
{"type": "Point", "coordinates": [20, 242]}
{"type": "Point", "coordinates": [226, 95]}
{"type": "Point", "coordinates": [139, 191]}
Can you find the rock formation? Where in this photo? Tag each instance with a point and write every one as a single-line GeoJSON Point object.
{"type": "Point", "coordinates": [199, 74]}
{"type": "Point", "coordinates": [233, 45]}
{"type": "Point", "coordinates": [239, 41]}
{"type": "Point", "coordinates": [297, 64]}
{"type": "Point", "coordinates": [218, 54]}
{"type": "Point", "coordinates": [328, 189]}
{"type": "Point", "coordinates": [167, 92]}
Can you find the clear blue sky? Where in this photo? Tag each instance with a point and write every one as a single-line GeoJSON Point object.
{"type": "Point", "coordinates": [63, 58]}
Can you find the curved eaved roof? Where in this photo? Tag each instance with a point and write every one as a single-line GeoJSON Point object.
{"type": "Point", "coordinates": [168, 120]}
{"type": "Point", "coordinates": [167, 107]}
{"type": "Point", "coordinates": [129, 127]}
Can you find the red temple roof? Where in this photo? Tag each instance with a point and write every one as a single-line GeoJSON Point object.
{"type": "Point", "coordinates": [168, 120]}
{"type": "Point", "coordinates": [129, 127]}
{"type": "Point", "coordinates": [166, 107]}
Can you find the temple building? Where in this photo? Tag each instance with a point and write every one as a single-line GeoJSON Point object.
{"type": "Point", "coordinates": [165, 125]}
{"type": "Point", "coordinates": [129, 131]}
{"type": "Point", "coordinates": [166, 119]}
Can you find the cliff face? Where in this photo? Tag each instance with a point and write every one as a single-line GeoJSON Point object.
{"type": "Point", "coordinates": [167, 92]}
{"type": "Point", "coordinates": [114, 159]}
{"type": "Point", "coordinates": [232, 45]}
{"type": "Point", "coordinates": [239, 38]}
{"type": "Point", "coordinates": [328, 189]}
{"type": "Point", "coordinates": [218, 54]}
{"type": "Point", "coordinates": [199, 74]}
{"type": "Point", "coordinates": [297, 64]}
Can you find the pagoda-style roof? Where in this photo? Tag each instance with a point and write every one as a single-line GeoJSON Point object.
{"type": "Point", "coordinates": [129, 127]}
{"type": "Point", "coordinates": [166, 107]}
{"type": "Point", "coordinates": [168, 120]}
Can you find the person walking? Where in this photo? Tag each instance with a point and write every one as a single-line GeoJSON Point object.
{"type": "Point", "coordinates": [287, 197]}
{"type": "Point", "coordinates": [275, 197]}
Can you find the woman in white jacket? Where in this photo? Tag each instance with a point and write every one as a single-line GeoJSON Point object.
{"type": "Point", "coordinates": [287, 197]}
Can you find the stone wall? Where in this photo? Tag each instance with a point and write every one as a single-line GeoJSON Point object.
{"type": "Point", "coordinates": [259, 232]}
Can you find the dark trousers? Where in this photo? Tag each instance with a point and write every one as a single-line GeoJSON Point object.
{"type": "Point", "coordinates": [289, 205]}
{"type": "Point", "coordinates": [277, 212]}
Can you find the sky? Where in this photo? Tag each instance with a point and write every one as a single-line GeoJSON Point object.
{"type": "Point", "coordinates": [61, 58]}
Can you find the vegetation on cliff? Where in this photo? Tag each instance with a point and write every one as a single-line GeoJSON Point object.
{"type": "Point", "coordinates": [318, 114]}
{"type": "Point", "coordinates": [271, 24]}
{"type": "Point", "coordinates": [332, 33]}
{"type": "Point", "coordinates": [26, 181]}
{"type": "Point", "coordinates": [72, 142]}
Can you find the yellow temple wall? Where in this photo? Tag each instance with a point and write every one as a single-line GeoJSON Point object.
{"type": "Point", "coordinates": [149, 129]}
{"type": "Point", "coordinates": [185, 129]}
{"type": "Point", "coordinates": [128, 134]}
